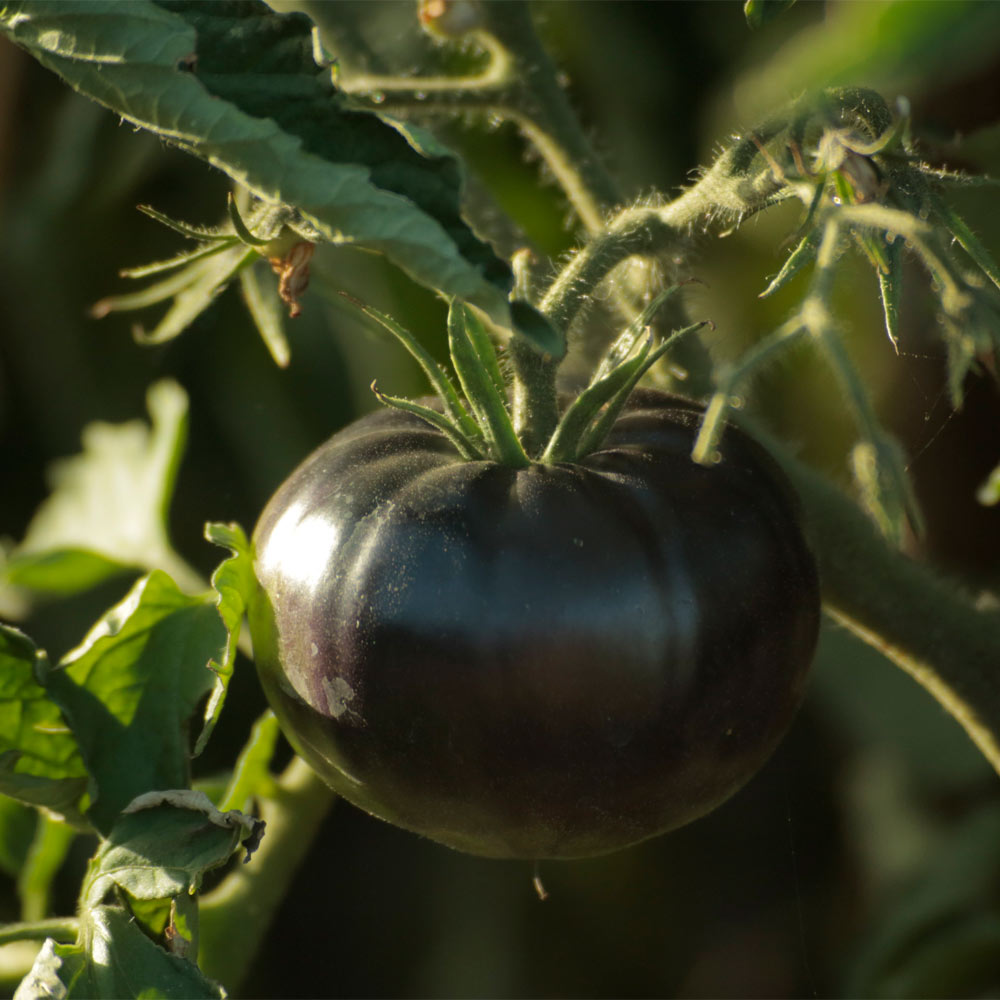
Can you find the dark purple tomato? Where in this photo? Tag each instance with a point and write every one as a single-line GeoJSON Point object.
{"type": "Point", "coordinates": [554, 661]}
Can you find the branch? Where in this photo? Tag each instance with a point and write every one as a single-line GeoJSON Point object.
{"type": "Point", "coordinates": [234, 917]}
{"type": "Point", "coordinates": [520, 84]}
{"type": "Point", "coordinates": [922, 622]}
{"type": "Point", "coordinates": [63, 929]}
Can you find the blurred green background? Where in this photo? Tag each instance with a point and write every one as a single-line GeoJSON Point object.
{"type": "Point", "coordinates": [865, 858]}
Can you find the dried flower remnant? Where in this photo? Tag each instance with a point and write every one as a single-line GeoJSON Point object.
{"type": "Point", "coordinates": [293, 274]}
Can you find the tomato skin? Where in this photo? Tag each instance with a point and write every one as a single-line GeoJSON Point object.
{"type": "Point", "coordinates": [556, 661]}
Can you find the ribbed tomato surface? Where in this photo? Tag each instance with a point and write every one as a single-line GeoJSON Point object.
{"type": "Point", "coordinates": [555, 661]}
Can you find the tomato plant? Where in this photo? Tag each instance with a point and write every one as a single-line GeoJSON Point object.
{"type": "Point", "coordinates": [567, 603]}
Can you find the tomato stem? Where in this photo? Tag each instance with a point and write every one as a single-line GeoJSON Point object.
{"type": "Point", "coordinates": [535, 405]}
{"type": "Point", "coordinates": [520, 84]}
{"type": "Point", "coordinates": [234, 917]}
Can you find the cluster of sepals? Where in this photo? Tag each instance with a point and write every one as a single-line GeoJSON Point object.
{"type": "Point", "coordinates": [856, 170]}
{"type": "Point", "coordinates": [477, 420]}
{"type": "Point", "coordinates": [275, 233]}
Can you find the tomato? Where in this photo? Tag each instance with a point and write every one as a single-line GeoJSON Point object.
{"type": "Point", "coordinates": [552, 661]}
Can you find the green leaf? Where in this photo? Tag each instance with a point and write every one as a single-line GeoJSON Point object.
{"type": "Point", "coordinates": [159, 266]}
{"type": "Point", "coordinates": [892, 45]}
{"type": "Point", "coordinates": [163, 845]}
{"type": "Point", "coordinates": [939, 936]}
{"type": "Point", "coordinates": [118, 960]}
{"type": "Point", "coordinates": [565, 444]}
{"type": "Point", "coordinates": [192, 232]}
{"type": "Point", "coordinates": [485, 352]}
{"type": "Point", "coordinates": [970, 325]}
{"type": "Point", "coordinates": [240, 227]}
{"type": "Point", "coordinates": [62, 571]}
{"type": "Point", "coordinates": [107, 512]}
{"type": "Point", "coordinates": [605, 419]}
{"type": "Point", "coordinates": [235, 585]}
{"type": "Point", "coordinates": [40, 761]}
{"type": "Point", "coordinates": [182, 925]}
{"type": "Point", "coordinates": [168, 288]}
{"type": "Point", "coordinates": [879, 468]}
{"type": "Point", "coordinates": [624, 344]}
{"type": "Point", "coordinates": [129, 690]}
{"type": "Point", "coordinates": [237, 84]}
{"type": "Point", "coordinates": [252, 774]}
{"type": "Point", "coordinates": [17, 831]}
{"type": "Point", "coordinates": [267, 313]}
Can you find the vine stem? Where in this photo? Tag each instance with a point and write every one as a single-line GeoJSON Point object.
{"type": "Point", "coordinates": [519, 84]}
{"type": "Point", "coordinates": [234, 917]}
{"type": "Point", "coordinates": [64, 929]}
{"type": "Point", "coordinates": [922, 622]}
{"type": "Point", "coordinates": [535, 408]}
{"type": "Point", "coordinates": [48, 851]}
{"type": "Point", "coordinates": [652, 232]}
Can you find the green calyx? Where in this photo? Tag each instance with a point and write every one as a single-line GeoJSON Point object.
{"type": "Point", "coordinates": [588, 420]}
{"type": "Point", "coordinates": [476, 415]}
{"type": "Point", "coordinates": [191, 280]}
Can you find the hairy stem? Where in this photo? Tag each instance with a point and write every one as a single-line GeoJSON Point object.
{"type": "Point", "coordinates": [657, 232]}
{"type": "Point", "coordinates": [519, 84]}
{"type": "Point", "coordinates": [544, 114]}
{"type": "Point", "coordinates": [535, 402]}
{"type": "Point", "coordinates": [234, 917]}
{"type": "Point", "coordinates": [923, 623]}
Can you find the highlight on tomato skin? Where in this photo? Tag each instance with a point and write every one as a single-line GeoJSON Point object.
{"type": "Point", "coordinates": [554, 661]}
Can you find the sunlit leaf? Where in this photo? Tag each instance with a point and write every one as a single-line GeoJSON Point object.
{"type": "Point", "coordinates": [163, 847]}
{"type": "Point", "coordinates": [107, 511]}
{"type": "Point", "coordinates": [234, 584]}
{"type": "Point", "coordinates": [118, 960]}
{"type": "Point", "coordinates": [237, 84]}
{"type": "Point", "coordinates": [40, 761]}
{"type": "Point", "coordinates": [131, 688]}
{"type": "Point", "coordinates": [252, 774]}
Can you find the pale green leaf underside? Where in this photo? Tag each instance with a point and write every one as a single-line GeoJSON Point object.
{"type": "Point", "coordinates": [137, 58]}
{"type": "Point", "coordinates": [107, 510]}
{"type": "Point", "coordinates": [163, 851]}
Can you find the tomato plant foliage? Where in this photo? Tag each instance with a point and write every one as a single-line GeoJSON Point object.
{"type": "Point", "coordinates": [569, 602]}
